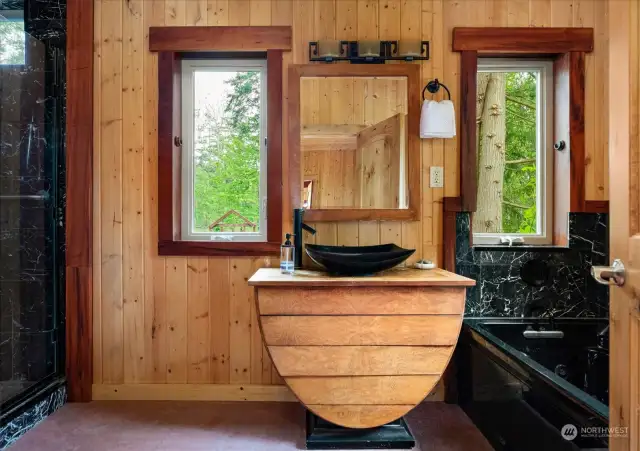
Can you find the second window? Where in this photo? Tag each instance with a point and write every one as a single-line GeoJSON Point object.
{"type": "Point", "coordinates": [514, 149]}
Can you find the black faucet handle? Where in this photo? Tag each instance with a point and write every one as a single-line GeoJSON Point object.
{"type": "Point", "coordinates": [309, 229]}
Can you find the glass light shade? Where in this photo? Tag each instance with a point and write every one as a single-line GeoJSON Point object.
{"type": "Point", "coordinates": [410, 48]}
{"type": "Point", "coordinates": [368, 48]}
{"type": "Point", "coordinates": [328, 48]}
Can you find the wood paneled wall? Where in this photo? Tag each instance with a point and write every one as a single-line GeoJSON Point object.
{"type": "Point", "coordinates": [191, 320]}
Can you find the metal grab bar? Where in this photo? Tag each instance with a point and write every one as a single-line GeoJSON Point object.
{"type": "Point", "coordinates": [43, 196]}
{"type": "Point", "coordinates": [543, 334]}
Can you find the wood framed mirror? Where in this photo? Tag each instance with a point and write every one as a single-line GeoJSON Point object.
{"type": "Point", "coordinates": [354, 150]}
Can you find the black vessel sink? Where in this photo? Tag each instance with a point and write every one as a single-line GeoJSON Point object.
{"type": "Point", "coordinates": [357, 260]}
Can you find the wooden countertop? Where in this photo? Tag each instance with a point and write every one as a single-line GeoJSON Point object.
{"type": "Point", "coordinates": [399, 277]}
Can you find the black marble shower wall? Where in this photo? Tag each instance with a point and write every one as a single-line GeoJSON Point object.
{"type": "Point", "coordinates": [570, 291]}
{"type": "Point", "coordinates": [31, 169]}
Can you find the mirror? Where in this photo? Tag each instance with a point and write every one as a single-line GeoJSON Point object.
{"type": "Point", "coordinates": [353, 142]}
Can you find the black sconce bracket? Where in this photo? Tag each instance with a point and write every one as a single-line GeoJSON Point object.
{"type": "Point", "coordinates": [349, 52]}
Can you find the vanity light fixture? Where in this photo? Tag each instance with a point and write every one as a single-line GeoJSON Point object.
{"type": "Point", "coordinates": [368, 51]}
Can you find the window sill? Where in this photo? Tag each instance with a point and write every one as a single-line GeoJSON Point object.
{"type": "Point", "coordinates": [520, 247]}
{"type": "Point", "coordinates": [217, 249]}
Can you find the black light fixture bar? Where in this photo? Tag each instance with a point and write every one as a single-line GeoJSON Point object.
{"type": "Point", "coordinates": [349, 52]}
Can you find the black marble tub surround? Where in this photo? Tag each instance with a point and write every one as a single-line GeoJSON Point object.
{"type": "Point", "coordinates": [567, 357]}
{"type": "Point", "coordinates": [570, 291]}
{"type": "Point", "coordinates": [521, 393]}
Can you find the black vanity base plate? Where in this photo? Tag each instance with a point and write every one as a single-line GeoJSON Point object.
{"type": "Point", "coordinates": [322, 434]}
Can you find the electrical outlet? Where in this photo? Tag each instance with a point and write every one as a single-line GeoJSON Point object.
{"type": "Point", "coordinates": [436, 177]}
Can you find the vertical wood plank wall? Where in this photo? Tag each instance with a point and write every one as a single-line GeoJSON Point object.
{"type": "Point", "coordinates": [185, 320]}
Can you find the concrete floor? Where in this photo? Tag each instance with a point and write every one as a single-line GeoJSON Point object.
{"type": "Point", "coordinates": [199, 426]}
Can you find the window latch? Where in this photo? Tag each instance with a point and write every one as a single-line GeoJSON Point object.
{"type": "Point", "coordinates": [511, 240]}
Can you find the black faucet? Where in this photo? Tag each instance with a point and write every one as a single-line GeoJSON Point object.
{"type": "Point", "coordinates": [298, 225]}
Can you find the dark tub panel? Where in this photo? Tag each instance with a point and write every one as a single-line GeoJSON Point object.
{"type": "Point", "coordinates": [518, 403]}
{"type": "Point", "coordinates": [579, 357]}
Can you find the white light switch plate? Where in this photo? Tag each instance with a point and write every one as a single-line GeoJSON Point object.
{"type": "Point", "coordinates": [436, 177]}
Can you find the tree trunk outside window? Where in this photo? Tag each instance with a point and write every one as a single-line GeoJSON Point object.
{"type": "Point", "coordinates": [491, 153]}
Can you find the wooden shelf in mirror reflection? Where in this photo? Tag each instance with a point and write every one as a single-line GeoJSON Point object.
{"type": "Point", "coordinates": [329, 137]}
{"type": "Point", "coordinates": [354, 142]}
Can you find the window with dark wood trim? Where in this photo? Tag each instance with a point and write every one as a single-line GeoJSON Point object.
{"type": "Point", "coordinates": [567, 48]}
{"type": "Point", "coordinates": [172, 240]}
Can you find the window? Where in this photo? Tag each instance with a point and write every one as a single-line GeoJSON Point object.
{"type": "Point", "coordinates": [515, 151]}
{"type": "Point", "coordinates": [12, 38]}
{"type": "Point", "coordinates": [220, 188]}
{"type": "Point", "coordinates": [224, 152]}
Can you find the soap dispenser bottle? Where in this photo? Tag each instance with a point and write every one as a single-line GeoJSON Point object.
{"type": "Point", "coordinates": [287, 255]}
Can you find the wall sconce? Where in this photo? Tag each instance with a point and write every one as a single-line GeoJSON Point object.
{"type": "Point", "coordinates": [368, 51]}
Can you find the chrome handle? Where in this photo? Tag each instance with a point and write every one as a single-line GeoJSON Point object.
{"type": "Point", "coordinates": [609, 275]}
{"type": "Point", "coordinates": [543, 334]}
{"type": "Point", "coordinates": [42, 195]}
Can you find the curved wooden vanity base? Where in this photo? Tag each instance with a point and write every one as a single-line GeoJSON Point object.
{"type": "Point", "coordinates": [360, 352]}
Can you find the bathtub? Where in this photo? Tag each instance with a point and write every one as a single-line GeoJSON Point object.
{"type": "Point", "coordinates": [523, 381]}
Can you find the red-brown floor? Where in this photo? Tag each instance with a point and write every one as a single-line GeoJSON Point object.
{"type": "Point", "coordinates": [196, 426]}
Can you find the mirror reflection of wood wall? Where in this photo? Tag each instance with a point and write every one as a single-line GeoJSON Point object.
{"type": "Point", "coordinates": [353, 142]}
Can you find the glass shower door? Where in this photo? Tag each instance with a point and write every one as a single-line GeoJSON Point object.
{"type": "Point", "coordinates": [30, 340]}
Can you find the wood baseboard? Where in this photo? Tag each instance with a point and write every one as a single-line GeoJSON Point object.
{"type": "Point", "coordinates": [192, 392]}
{"type": "Point", "coordinates": [208, 392]}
